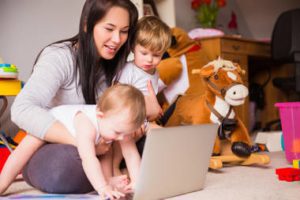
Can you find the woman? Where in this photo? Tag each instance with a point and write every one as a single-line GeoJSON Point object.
{"type": "Point", "coordinates": [72, 71]}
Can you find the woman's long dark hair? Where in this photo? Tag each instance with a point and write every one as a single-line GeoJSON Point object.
{"type": "Point", "coordinates": [89, 65]}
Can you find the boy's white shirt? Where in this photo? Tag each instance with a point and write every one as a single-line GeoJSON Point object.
{"type": "Point", "coordinates": [135, 76]}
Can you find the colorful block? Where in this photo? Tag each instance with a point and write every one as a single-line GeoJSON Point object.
{"type": "Point", "coordinates": [296, 164]}
{"type": "Point", "coordinates": [288, 174]}
{"type": "Point", "coordinates": [4, 153]}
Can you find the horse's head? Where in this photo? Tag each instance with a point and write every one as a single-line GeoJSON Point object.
{"type": "Point", "coordinates": [223, 78]}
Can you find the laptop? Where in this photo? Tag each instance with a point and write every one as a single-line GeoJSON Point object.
{"type": "Point", "coordinates": [175, 161]}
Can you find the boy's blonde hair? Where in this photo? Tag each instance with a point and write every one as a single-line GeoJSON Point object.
{"type": "Point", "coordinates": [153, 34]}
{"type": "Point", "coordinates": [123, 96]}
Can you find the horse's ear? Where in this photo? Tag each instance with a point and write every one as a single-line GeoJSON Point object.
{"type": "Point", "coordinates": [207, 71]}
{"type": "Point", "coordinates": [239, 69]}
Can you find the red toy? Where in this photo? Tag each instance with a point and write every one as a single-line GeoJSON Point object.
{"type": "Point", "coordinates": [288, 174]}
{"type": "Point", "coordinates": [4, 153]}
{"type": "Point", "coordinates": [7, 145]}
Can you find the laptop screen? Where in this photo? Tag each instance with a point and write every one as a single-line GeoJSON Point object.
{"type": "Point", "coordinates": [175, 161]}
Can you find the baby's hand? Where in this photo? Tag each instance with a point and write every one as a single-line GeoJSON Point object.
{"type": "Point", "coordinates": [119, 183]}
{"type": "Point", "coordinates": [107, 192]}
{"type": "Point", "coordinates": [130, 187]}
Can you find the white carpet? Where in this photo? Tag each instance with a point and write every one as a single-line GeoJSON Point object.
{"type": "Point", "coordinates": [228, 183]}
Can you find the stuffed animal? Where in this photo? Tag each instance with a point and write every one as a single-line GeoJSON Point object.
{"type": "Point", "coordinates": [175, 70]}
{"type": "Point", "coordinates": [224, 89]}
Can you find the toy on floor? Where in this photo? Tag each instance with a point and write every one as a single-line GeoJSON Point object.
{"type": "Point", "coordinates": [8, 71]}
{"type": "Point", "coordinates": [4, 153]}
{"type": "Point", "coordinates": [217, 162]}
{"type": "Point", "coordinates": [4, 141]}
{"type": "Point", "coordinates": [10, 143]}
{"type": "Point", "coordinates": [296, 146]}
{"type": "Point", "coordinates": [7, 145]}
{"type": "Point", "coordinates": [224, 90]}
{"type": "Point", "coordinates": [296, 164]}
{"type": "Point", "coordinates": [289, 117]}
{"type": "Point", "coordinates": [5, 149]}
{"type": "Point", "coordinates": [19, 136]}
{"type": "Point", "coordinates": [288, 174]}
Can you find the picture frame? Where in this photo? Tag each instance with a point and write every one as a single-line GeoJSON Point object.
{"type": "Point", "coordinates": [148, 10]}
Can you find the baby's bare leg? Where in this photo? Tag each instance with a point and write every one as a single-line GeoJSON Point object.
{"type": "Point", "coordinates": [106, 164]}
{"type": "Point", "coordinates": [17, 160]}
{"type": "Point", "coordinates": [117, 182]}
{"type": "Point", "coordinates": [117, 158]}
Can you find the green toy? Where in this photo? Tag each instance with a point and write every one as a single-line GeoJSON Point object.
{"type": "Point", "coordinates": [8, 71]}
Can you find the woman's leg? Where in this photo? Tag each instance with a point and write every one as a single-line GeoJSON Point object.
{"type": "Point", "coordinates": [57, 168]}
{"type": "Point", "coordinates": [17, 160]}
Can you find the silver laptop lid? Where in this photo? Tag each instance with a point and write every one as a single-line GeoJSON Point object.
{"type": "Point", "coordinates": [175, 161]}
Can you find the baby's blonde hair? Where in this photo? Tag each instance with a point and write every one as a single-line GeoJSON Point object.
{"type": "Point", "coordinates": [123, 96]}
{"type": "Point", "coordinates": [153, 34]}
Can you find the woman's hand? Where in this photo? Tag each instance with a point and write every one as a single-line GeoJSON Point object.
{"type": "Point", "coordinates": [153, 108]}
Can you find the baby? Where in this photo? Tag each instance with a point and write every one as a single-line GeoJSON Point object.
{"type": "Point", "coordinates": [119, 112]}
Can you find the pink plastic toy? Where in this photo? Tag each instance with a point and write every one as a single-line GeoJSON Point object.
{"type": "Point", "coordinates": [289, 116]}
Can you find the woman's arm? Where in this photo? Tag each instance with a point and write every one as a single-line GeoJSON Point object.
{"type": "Point", "coordinates": [85, 137]}
{"type": "Point", "coordinates": [51, 74]}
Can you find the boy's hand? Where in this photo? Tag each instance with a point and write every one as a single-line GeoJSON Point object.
{"type": "Point", "coordinates": [153, 108]}
{"type": "Point", "coordinates": [140, 132]}
{"type": "Point", "coordinates": [107, 192]}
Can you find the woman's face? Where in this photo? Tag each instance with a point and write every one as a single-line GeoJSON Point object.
{"type": "Point", "coordinates": [111, 32]}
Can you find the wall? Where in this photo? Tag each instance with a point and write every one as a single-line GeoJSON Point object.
{"type": "Point", "coordinates": [27, 26]}
{"type": "Point", "coordinates": [255, 18]}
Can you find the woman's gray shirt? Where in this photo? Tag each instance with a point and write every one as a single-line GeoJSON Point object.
{"type": "Point", "coordinates": [52, 83]}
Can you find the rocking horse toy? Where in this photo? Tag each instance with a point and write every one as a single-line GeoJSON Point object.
{"type": "Point", "coordinates": [224, 90]}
